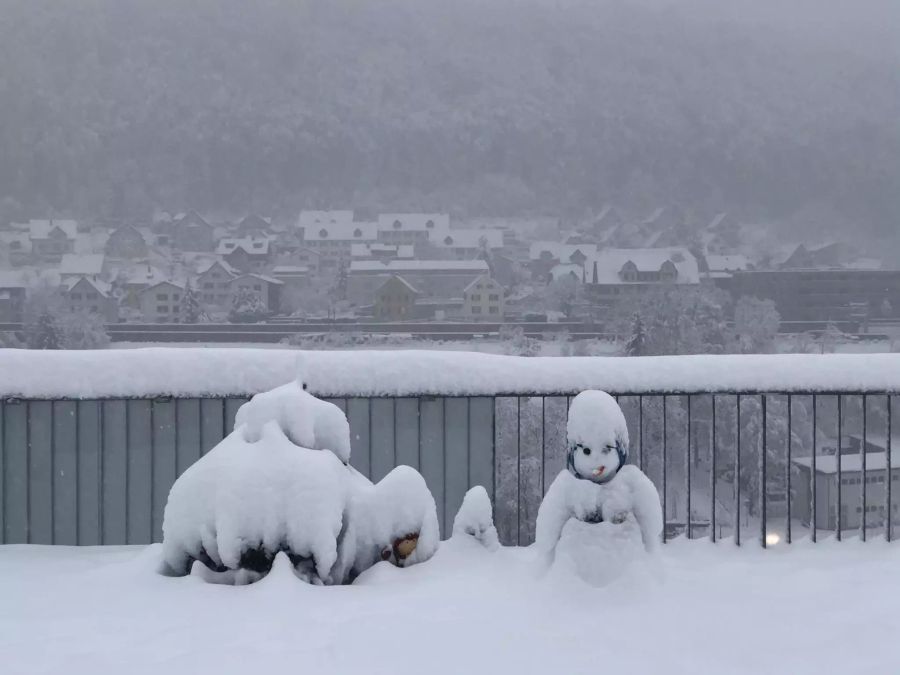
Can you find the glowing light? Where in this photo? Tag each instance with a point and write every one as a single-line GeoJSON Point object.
{"type": "Point", "coordinates": [772, 539]}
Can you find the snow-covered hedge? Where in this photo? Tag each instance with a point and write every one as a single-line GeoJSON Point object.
{"type": "Point", "coordinates": [223, 371]}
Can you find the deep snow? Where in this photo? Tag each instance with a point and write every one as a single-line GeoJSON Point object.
{"type": "Point", "coordinates": [720, 609]}
{"type": "Point", "coordinates": [198, 372]}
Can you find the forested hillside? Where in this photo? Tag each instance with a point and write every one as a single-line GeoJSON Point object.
{"type": "Point", "coordinates": [116, 107]}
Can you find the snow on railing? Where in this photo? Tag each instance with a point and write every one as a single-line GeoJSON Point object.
{"type": "Point", "coordinates": [194, 372]}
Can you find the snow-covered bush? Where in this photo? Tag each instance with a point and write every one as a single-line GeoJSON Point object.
{"type": "Point", "coordinates": [281, 481]}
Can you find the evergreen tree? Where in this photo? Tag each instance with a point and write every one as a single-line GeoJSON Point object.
{"type": "Point", "coordinates": [247, 307]}
{"type": "Point", "coordinates": [340, 286]}
{"type": "Point", "coordinates": [190, 305]}
{"type": "Point", "coordinates": [43, 334]}
{"type": "Point", "coordinates": [637, 343]}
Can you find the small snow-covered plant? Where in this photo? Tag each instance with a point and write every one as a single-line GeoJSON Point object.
{"type": "Point", "coordinates": [475, 519]}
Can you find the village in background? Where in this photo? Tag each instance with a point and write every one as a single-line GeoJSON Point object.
{"type": "Point", "coordinates": [614, 282]}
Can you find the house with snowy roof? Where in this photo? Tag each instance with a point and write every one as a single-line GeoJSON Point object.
{"type": "Point", "coordinates": [91, 295]}
{"type": "Point", "coordinates": [52, 239]}
{"type": "Point", "coordinates": [191, 233]}
{"type": "Point", "coordinates": [483, 299]}
{"type": "Point", "coordinates": [395, 300]}
{"type": "Point", "coordinates": [721, 266]}
{"type": "Point", "coordinates": [333, 242]}
{"type": "Point", "coordinates": [410, 228]}
{"type": "Point", "coordinates": [545, 255]}
{"type": "Point", "coordinates": [213, 286]}
{"type": "Point", "coordinates": [253, 226]}
{"type": "Point", "coordinates": [309, 220]}
{"type": "Point", "coordinates": [616, 274]}
{"type": "Point", "coordinates": [247, 254]}
{"type": "Point", "coordinates": [126, 243]}
{"type": "Point", "coordinates": [161, 303]}
{"type": "Point", "coordinates": [432, 278]}
{"type": "Point", "coordinates": [862, 463]}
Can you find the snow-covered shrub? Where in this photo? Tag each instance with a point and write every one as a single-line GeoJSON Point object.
{"type": "Point", "coordinates": [475, 519]}
{"type": "Point", "coordinates": [245, 500]}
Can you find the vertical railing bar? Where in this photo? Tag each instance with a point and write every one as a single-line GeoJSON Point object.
{"type": "Point", "coordinates": [177, 454]}
{"type": "Point", "coordinates": [889, 474]}
{"type": "Point", "coordinates": [127, 473]}
{"type": "Point", "coordinates": [865, 422]}
{"type": "Point", "coordinates": [737, 479]}
{"type": "Point", "coordinates": [394, 402]}
{"type": "Point", "coordinates": [369, 434]}
{"type": "Point", "coordinates": [641, 430]}
{"type": "Point", "coordinates": [763, 491]}
{"type": "Point", "coordinates": [790, 445]}
{"type": "Point", "coordinates": [713, 475]}
{"type": "Point", "coordinates": [664, 462]}
{"type": "Point", "coordinates": [839, 460]}
{"type": "Point", "coordinates": [101, 469]}
{"type": "Point", "coordinates": [28, 472]}
{"type": "Point", "coordinates": [468, 441]}
{"type": "Point", "coordinates": [689, 430]}
{"type": "Point", "coordinates": [419, 422]}
{"type": "Point", "coordinates": [494, 451]}
{"type": "Point", "coordinates": [3, 471]}
{"type": "Point", "coordinates": [153, 456]}
{"type": "Point", "coordinates": [77, 473]}
{"type": "Point", "coordinates": [543, 442]}
{"type": "Point", "coordinates": [52, 472]}
{"type": "Point", "coordinates": [814, 521]}
{"type": "Point", "coordinates": [443, 456]}
{"type": "Point", "coordinates": [518, 469]}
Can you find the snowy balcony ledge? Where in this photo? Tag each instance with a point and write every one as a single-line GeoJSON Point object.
{"type": "Point", "coordinates": [192, 372]}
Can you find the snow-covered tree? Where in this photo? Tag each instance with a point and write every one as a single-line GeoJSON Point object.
{"type": "Point", "coordinates": [247, 307]}
{"type": "Point", "coordinates": [43, 333]}
{"type": "Point", "coordinates": [82, 330]}
{"type": "Point", "coordinates": [191, 311]}
{"type": "Point", "coordinates": [756, 324]}
{"type": "Point", "coordinates": [637, 343]}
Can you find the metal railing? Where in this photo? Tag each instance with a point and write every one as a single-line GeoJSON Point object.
{"type": "Point", "coordinates": [736, 465]}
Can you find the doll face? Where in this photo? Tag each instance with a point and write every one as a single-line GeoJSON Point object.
{"type": "Point", "coordinates": [597, 461]}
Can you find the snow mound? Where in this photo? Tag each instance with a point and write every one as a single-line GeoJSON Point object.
{"type": "Point", "coordinates": [384, 521]}
{"type": "Point", "coordinates": [245, 500]}
{"type": "Point", "coordinates": [306, 421]}
{"type": "Point", "coordinates": [475, 519]}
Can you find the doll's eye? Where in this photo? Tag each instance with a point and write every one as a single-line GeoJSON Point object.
{"type": "Point", "coordinates": [586, 451]}
{"type": "Point", "coordinates": [608, 449]}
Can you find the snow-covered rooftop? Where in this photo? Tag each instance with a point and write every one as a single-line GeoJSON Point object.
{"type": "Point", "coordinates": [413, 221]}
{"type": "Point", "coordinates": [727, 263]}
{"type": "Point", "coordinates": [418, 266]}
{"type": "Point", "coordinates": [467, 238]}
{"type": "Point", "coordinates": [81, 263]}
{"type": "Point", "coordinates": [12, 279]}
{"type": "Point", "coordinates": [317, 219]}
{"type": "Point", "coordinates": [366, 250]}
{"type": "Point", "coordinates": [252, 245]}
{"type": "Point", "coordinates": [238, 371]}
{"type": "Point", "coordinates": [41, 229]}
{"type": "Point", "coordinates": [342, 232]}
{"type": "Point", "coordinates": [610, 261]}
{"type": "Point", "coordinates": [559, 251]}
{"type": "Point", "coordinates": [852, 462]}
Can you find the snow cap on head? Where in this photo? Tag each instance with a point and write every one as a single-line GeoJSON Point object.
{"type": "Point", "coordinates": [596, 422]}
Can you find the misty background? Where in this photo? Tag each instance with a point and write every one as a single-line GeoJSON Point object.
{"type": "Point", "coordinates": [780, 115]}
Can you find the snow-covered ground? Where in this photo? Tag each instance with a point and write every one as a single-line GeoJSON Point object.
{"type": "Point", "coordinates": [829, 607]}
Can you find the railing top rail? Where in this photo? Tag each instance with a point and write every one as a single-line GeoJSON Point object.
{"type": "Point", "coordinates": [224, 372]}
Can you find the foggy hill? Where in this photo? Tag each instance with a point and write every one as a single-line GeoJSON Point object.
{"type": "Point", "coordinates": [485, 107]}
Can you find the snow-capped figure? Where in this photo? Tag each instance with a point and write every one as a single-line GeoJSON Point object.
{"type": "Point", "coordinates": [281, 481]}
{"type": "Point", "coordinates": [599, 512]}
{"type": "Point", "coordinates": [475, 519]}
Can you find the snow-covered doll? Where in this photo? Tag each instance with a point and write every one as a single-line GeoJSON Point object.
{"type": "Point", "coordinates": [600, 514]}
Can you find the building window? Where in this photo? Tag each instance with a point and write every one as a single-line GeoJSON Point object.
{"type": "Point", "coordinates": [493, 309]}
{"type": "Point", "coordinates": [162, 309]}
{"type": "Point", "coordinates": [476, 310]}
{"type": "Point", "coordinates": [494, 297]}
{"type": "Point", "coordinates": [76, 296]}
{"type": "Point", "coordinates": [162, 296]}
{"type": "Point", "coordinates": [476, 297]}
